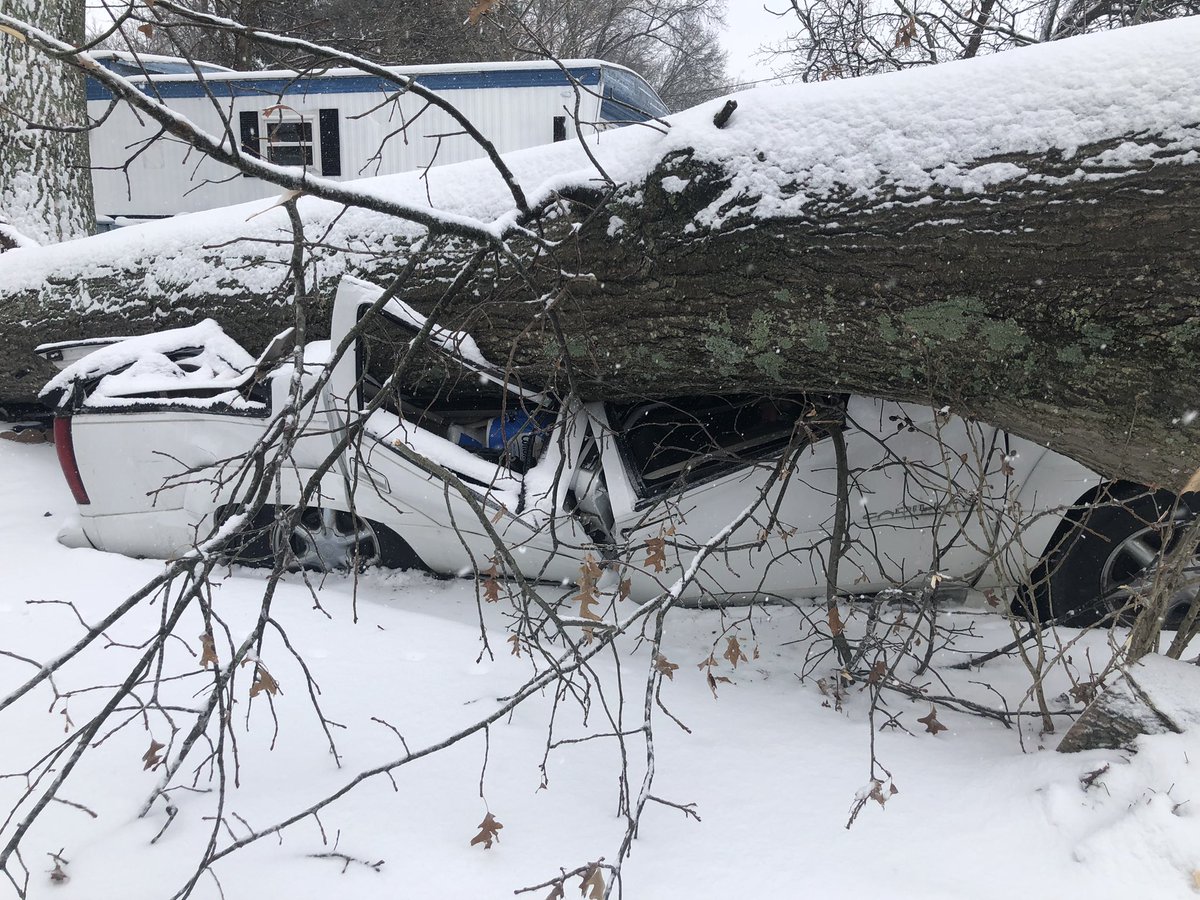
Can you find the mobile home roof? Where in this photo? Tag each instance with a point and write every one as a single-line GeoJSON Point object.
{"type": "Point", "coordinates": [454, 76]}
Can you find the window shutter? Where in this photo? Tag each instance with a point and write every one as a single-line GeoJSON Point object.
{"type": "Point", "coordinates": [250, 139]}
{"type": "Point", "coordinates": [331, 142]}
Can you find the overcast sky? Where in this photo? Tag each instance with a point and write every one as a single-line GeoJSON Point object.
{"type": "Point", "coordinates": [750, 26]}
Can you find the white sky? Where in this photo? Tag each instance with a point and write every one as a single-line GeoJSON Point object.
{"type": "Point", "coordinates": [749, 26]}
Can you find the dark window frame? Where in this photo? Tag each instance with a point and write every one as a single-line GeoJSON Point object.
{"type": "Point", "coordinates": [293, 133]}
{"type": "Point", "coordinates": [703, 467]}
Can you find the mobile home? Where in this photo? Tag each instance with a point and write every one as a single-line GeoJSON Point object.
{"type": "Point", "coordinates": [341, 124]}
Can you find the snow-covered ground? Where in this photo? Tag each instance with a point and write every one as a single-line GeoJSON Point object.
{"type": "Point", "coordinates": [772, 766]}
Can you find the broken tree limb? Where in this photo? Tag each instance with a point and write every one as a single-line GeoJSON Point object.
{"type": "Point", "coordinates": [1155, 695]}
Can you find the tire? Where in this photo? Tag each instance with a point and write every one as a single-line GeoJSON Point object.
{"type": "Point", "coordinates": [1101, 554]}
{"type": "Point", "coordinates": [323, 540]}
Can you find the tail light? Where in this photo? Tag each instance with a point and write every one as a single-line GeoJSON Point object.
{"type": "Point", "coordinates": [65, 449]}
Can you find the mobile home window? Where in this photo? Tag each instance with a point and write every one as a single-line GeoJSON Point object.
{"type": "Point", "coordinates": [290, 142]}
{"type": "Point", "coordinates": [628, 98]}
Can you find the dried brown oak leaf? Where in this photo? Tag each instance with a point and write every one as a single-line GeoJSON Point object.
{"type": "Point", "coordinates": [491, 585]}
{"type": "Point", "coordinates": [489, 832]}
{"type": "Point", "coordinates": [931, 723]}
{"type": "Point", "coordinates": [481, 9]}
{"type": "Point", "coordinates": [515, 640]}
{"type": "Point", "coordinates": [656, 553]}
{"type": "Point", "coordinates": [733, 652]}
{"type": "Point", "coordinates": [877, 794]}
{"type": "Point", "coordinates": [665, 666]}
{"type": "Point", "coordinates": [835, 621]}
{"type": "Point", "coordinates": [208, 650]}
{"type": "Point", "coordinates": [150, 758]}
{"type": "Point", "coordinates": [593, 883]}
{"type": "Point", "coordinates": [712, 682]}
{"type": "Point", "coordinates": [263, 681]}
{"type": "Point", "coordinates": [877, 672]}
{"type": "Point", "coordinates": [589, 574]}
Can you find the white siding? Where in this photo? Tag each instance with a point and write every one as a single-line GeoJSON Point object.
{"type": "Point", "coordinates": [169, 177]}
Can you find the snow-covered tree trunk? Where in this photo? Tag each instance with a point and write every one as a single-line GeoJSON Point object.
{"type": "Point", "coordinates": [45, 183]}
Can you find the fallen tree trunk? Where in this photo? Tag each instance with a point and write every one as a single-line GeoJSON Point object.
{"type": "Point", "coordinates": [1055, 293]}
{"type": "Point", "coordinates": [1069, 315]}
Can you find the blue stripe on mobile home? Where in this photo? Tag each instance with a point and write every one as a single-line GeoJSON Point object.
{"type": "Point", "coordinates": [352, 84]}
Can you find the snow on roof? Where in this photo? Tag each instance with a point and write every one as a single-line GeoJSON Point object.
{"type": "Point", "coordinates": [427, 69]}
{"type": "Point", "coordinates": [150, 60]}
{"type": "Point", "coordinates": [790, 147]}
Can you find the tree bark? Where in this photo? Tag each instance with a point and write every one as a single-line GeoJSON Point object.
{"type": "Point", "coordinates": [1152, 696]}
{"type": "Point", "coordinates": [45, 182]}
{"type": "Point", "coordinates": [1069, 314]}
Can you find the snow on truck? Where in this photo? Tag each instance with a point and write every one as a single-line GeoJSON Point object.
{"type": "Point", "coordinates": [340, 124]}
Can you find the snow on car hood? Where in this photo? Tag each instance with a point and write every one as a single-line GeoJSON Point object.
{"type": "Point", "coordinates": [201, 358]}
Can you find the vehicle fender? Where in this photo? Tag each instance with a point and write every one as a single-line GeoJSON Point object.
{"type": "Point", "coordinates": [1054, 485]}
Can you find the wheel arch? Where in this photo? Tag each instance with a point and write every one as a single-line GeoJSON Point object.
{"type": "Point", "coordinates": [1033, 595]}
{"type": "Point", "coordinates": [1073, 515]}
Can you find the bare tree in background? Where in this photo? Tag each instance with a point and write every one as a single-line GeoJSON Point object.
{"type": "Point", "coordinates": [396, 32]}
{"type": "Point", "coordinates": [674, 44]}
{"type": "Point", "coordinates": [849, 38]}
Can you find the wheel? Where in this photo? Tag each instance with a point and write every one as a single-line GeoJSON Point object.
{"type": "Point", "coordinates": [323, 540]}
{"type": "Point", "coordinates": [326, 540]}
{"type": "Point", "coordinates": [1107, 555]}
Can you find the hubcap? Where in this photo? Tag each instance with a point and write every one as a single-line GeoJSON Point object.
{"type": "Point", "coordinates": [326, 540]}
{"type": "Point", "coordinates": [1130, 569]}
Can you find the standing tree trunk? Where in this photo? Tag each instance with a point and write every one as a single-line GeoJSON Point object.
{"type": "Point", "coordinates": [45, 183]}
